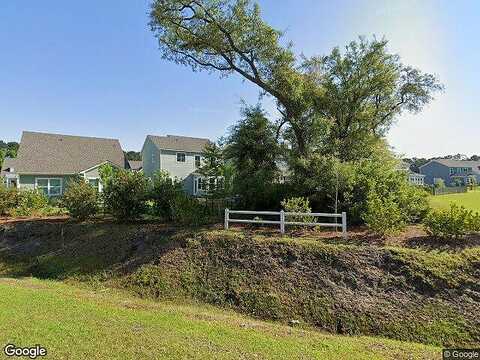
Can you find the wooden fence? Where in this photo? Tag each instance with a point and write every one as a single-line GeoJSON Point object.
{"type": "Point", "coordinates": [282, 214]}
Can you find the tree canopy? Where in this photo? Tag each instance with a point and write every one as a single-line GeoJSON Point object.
{"type": "Point", "coordinates": [338, 103]}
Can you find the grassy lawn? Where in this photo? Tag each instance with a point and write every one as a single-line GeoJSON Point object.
{"type": "Point", "coordinates": [76, 323]}
{"type": "Point", "coordinates": [471, 200]}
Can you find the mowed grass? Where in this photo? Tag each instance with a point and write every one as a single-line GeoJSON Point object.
{"type": "Point", "coordinates": [470, 200]}
{"type": "Point", "coordinates": [79, 323]}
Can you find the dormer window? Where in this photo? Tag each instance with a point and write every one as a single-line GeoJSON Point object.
{"type": "Point", "coordinates": [181, 157]}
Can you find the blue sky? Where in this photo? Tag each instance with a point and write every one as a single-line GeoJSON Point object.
{"type": "Point", "coordinates": [92, 68]}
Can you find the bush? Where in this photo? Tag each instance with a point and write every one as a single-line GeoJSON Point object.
{"type": "Point", "coordinates": [9, 198]}
{"type": "Point", "coordinates": [30, 203]}
{"type": "Point", "coordinates": [124, 194]}
{"type": "Point", "coordinates": [452, 223]}
{"type": "Point", "coordinates": [163, 191]}
{"type": "Point", "coordinates": [187, 210]}
{"type": "Point", "coordinates": [439, 183]}
{"type": "Point", "coordinates": [299, 205]}
{"type": "Point", "coordinates": [81, 199]}
{"type": "Point", "coordinates": [383, 215]}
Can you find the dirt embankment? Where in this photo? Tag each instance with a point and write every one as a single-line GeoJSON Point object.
{"type": "Point", "coordinates": [405, 292]}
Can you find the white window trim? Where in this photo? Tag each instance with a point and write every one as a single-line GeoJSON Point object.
{"type": "Point", "coordinates": [100, 186]}
{"type": "Point", "coordinates": [48, 186]}
{"type": "Point", "coordinates": [195, 160]}
{"type": "Point", "coordinates": [181, 152]}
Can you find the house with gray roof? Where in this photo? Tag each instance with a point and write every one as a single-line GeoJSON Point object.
{"type": "Point", "coordinates": [180, 156]}
{"type": "Point", "coordinates": [48, 161]}
{"type": "Point", "coordinates": [452, 172]}
{"type": "Point", "coordinates": [135, 165]}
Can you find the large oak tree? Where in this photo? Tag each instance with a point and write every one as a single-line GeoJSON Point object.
{"type": "Point", "coordinates": [338, 103]}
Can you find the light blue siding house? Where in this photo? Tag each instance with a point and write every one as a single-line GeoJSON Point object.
{"type": "Point", "coordinates": [180, 156]}
{"type": "Point", "coordinates": [47, 162]}
{"type": "Point", "coordinates": [452, 172]}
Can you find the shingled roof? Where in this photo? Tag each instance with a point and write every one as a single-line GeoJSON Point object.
{"type": "Point", "coordinates": [8, 163]}
{"type": "Point", "coordinates": [458, 163]}
{"type": "Point", "coordinates": [135, 164]}
{"type": "Point", "coordinates": [54, 154]}
{"type": "Point", "coordinates": [180, 143]}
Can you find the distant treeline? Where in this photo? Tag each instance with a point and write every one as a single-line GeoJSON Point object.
{"type": "Point", "coordinates": [133, 155]}
{"type": "Point", "coordinates": [7, 149]}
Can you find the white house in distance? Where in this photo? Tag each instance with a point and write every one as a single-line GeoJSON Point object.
{"type": "Point", "coordinates": [413, 177]}
{"type": "Point", "coordinates": [180, 156]}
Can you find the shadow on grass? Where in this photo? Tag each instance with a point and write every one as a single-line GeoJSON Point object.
{"type": "Point", "coordinates": [53, 249]}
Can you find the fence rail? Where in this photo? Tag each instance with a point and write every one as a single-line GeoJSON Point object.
{"type": "Point", "coordinates": [282, 214]}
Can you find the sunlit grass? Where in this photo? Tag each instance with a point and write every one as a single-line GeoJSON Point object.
{"type": "Point", "coordinates": [75, 323]}
{"type": "Point", "coordinates": [470, 200]}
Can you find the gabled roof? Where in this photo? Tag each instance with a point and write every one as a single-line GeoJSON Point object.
{"type": "Point", "coordinates": [135, 164]}
{"type": "Point", "coordinates": [179, 143]}
{"type": "Point", "coordinates": [8, 163]}
{"type": "Point", "coordinates": [456, 163]}
{"type": "Point", "coordinates": [54, 154]}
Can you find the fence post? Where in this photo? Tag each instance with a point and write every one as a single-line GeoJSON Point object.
{"type": "Point", "coordinates": [344, 224]}
{"type": "Point", "coordinates": [227, 215]}
{"type": "Point", "coordinates": [282, 222]}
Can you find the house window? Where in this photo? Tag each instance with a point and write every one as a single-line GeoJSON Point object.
{"type": "Point", "coordinates": [201, 185]}
{"type": "Point", "coordinates": [95, 182]}
{"type": "Point", "coordinates": [180, 157]}
{"type": "Point", "coordinates": [49, 186]}
{"type": "Point", "coordinates": [197, 161]}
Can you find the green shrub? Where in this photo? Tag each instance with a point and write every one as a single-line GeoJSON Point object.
{"type": "Point", "coordinates": [383, 215]}
{"type": "Point", "coordinates": [81, 199]}
{"type": "Point", "coordinates": [163, 191]}
{"type": "Point", "coordinates": [298, 205]}
{"type": "Point", "coordinates": [30, 203]}
{"type": "Point", "coordinates": [187, 210]}
{"type": "Point", "coordinates": [439, 183]}
{"type": "Point", "coordinates": [452, 223]}
{"type": "Point", "coordinates": [9, 198]}
{"type": "Point", "coordinates": [125, 193]}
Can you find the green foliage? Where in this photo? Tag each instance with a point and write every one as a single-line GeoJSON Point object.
{"type": "Point", "coordinates": [81, 199]}
{"type": "Point", "coordinates": [439, 183]}
{"type": "Point", "coordinates": [9, 149]}
{"type": "Point", "coordinates": [345, 100]}
{"type": "Point", "coordinates": [31, 203]}
{"type": "Point", "coordinates": [383, 215]}
{"type": "Point", "coordinates": [162, 193]}
{"type": "Point", "coordinates": [124, 193]}
{"type": "Point", "coordinates": [365, 88]}
{"type": "Point", "coordinates": [253, 150]}
{"type": "Point", "coordinates": [21, 202]}
{"type": "Point", "coordinates": [299, 205]}
{"type": "Point", "coordinates": [9, 199]}
{"type": "Point", "coordinates": [187, 210]}
{"type": "Point", "coordinates": [133, 155]}
{"type": "Point", "coordinates": [452, 223]}
{"type": "Point", "coordinates": [335, 109]}
{"type": "Point", "coordinates": [2, 157]}
{"type": "Point", "coordinates": [216, 173]}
